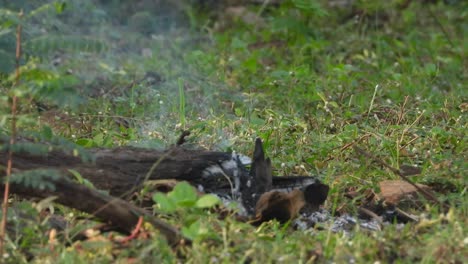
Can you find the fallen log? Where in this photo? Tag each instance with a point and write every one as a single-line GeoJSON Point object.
{"type": "Point", "coordinates": [115, 211]}
{"type": "Point", "coordinates": [123, 171]}
{"type": "Point", "coordinates": [119, 170]}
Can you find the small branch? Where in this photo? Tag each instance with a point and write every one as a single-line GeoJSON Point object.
{"type": "Point", "coordinates": [405, 215]}
{"type": "Point", "coordinates": [135, 231]}
{"type": "Point", "coordinates": [6, 191]}
{"type": "Point", "coordinates": [372, 100]}
{"type": "Point", "coordinates": [182, 137]}
{"type": "Point", "coordinates": [116, 211]}
{"type": "Point", "coordinates": [401, 114]}
{"type": "Point", "coordinates": [371, 214]}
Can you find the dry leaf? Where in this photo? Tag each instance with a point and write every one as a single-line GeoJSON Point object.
{"type": "Point", "coordinates": [53, 237]}
{"type": "Point", "coordinates": [163, 185]}
{"type": "Point", "coordinates": [406, 153]}
{"type": "Point", "coordinates": [463, 107]}
{"type": "Point", "coordinates": [395, 192]}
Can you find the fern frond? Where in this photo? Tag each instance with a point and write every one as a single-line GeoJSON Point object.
{"type": "Point", "coordinates": [43, 9]}
{"type": "Point", "coordinates": [8, 18]}
{"type": "Point", "coordinates": [60, 143]}
{"type": "Point", "coordinates": [44, 45]}
{"type": "Point", "coordinates": [41, 179]}
{"type": "Point", "coordinates": [8, 62]}
{"type": "Point", "coordinates": [29, 147]}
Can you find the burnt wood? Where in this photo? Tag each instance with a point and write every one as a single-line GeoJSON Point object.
{"type": "Point", "coordinates": [122, 172]}
{"type": "Point", "coordinates": [112, 210]}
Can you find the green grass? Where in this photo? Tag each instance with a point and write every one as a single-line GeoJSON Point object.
{"type": "Point", "coordinates": [311, 84]}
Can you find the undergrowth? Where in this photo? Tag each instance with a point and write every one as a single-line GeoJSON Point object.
{"type": "Point", "coordinates": [311, 78]}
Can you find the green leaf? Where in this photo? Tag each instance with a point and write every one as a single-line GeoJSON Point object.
{"type": "Point", "coordinates": [80, 179]}
{"type": "Point", "coordinates": [207, 201]}
{"type": "Point", "coordinates": [99, 139]}
{"type": "Point", "coordinates": [186, 203]}
{"type": "Point", "coordinates": [85, 142]}
{"type": "Point", "coordinates": [431, 69]}
{"type": "Point", "coordinates": [164, 202]}
{"type": "Point", "coordinates": [47, 132]}
{"type": "Point", "coordinates": [193, 231]}
{"type": "Point", "coordinates": [312, 6]}
{"type": "Point", "coordinates": [60, 7]}
{"type": "Point", "coordinates": [183, 194]}
{"type": "Point", "coordinates": [255, 120]}
{"type": "Point", "coordinates": [251, 64]}
{"type": "Point", "coordinates": [238, 43]}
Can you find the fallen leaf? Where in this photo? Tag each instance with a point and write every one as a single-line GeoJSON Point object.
{"type": "Point", "coordinates": [406, 153]}
{"type": "Point", "coordinates": [53, 237]}
{"type": "Point", "coordinates": [164, 185]}
{"type": "Point", "coordinates": [397, 191]}
{"type": "Point", "coordinates": [463, 107]}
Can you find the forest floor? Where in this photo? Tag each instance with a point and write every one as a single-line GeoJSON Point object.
{"type": "Point", "coordinates": [312, 79]}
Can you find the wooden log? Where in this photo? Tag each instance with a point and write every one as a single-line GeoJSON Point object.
{"type": "Point", "coordinates": [110, 209]}
{"type": "Point", "coordinates": [122, 171]}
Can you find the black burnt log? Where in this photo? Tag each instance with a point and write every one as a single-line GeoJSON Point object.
{"type": "Point", "coordinates": [112, 210]}
{"type": "Point", "coordinates": [122, 171]}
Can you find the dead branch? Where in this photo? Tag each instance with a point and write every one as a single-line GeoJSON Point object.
{"type": "Point", "coordinates": [110, 209]}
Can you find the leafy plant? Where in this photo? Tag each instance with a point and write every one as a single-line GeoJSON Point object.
{"type": "Point", "coordinates": [304, 79]}
{"type": "Point", "coordinates": [184, 196]}
{"type": "Point", "coordinates": [183, 201]}
{"type": "Point", "coordinates": [41, 179]}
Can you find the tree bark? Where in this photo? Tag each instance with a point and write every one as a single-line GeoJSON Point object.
{"type": "Point", "coordinates": [123, 171]}
{"type": "Point", "coordinates": [115, 211]}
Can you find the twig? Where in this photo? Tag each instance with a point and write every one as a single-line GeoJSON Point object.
{"type": "Point", "coordinates": [407, 128]}
{"type": "Point", "coordinates": [372, 100]}
{"type": "Point", "coordinates": [12, 140]}
{"type": "Point", "coordinates": [409, 142]}
{"type": "Point", "coordinates": [402, 110]}
{"type": "Point", "coordinates": [134, 232]}
{"type": "Point", "coordinates": [371, 214]}
{"type": "Point", "coordinates": [182, 137]}
{"type": "Point", "coordinates": [120, 213]}
{"type": "Point", "coordinates": [426, 194]}
{"type": "Point", "coordinates": [406, 215]}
